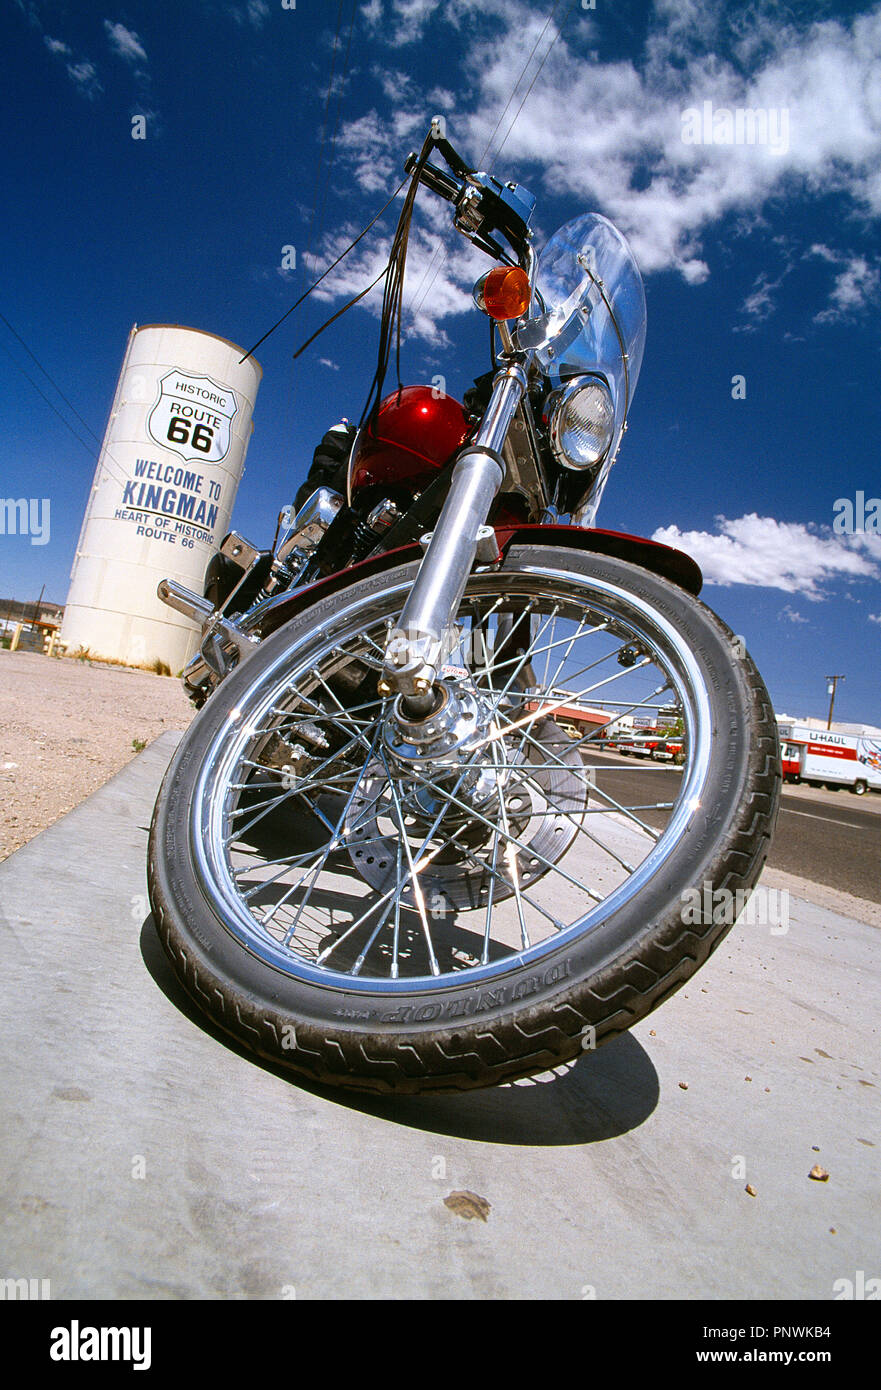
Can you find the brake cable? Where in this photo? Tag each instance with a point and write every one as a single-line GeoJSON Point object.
{"type": "Point", "coordinates": [325, 273]}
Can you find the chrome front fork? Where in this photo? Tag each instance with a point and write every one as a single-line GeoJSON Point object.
{"type": "Point", "coordinates": [416, 648]}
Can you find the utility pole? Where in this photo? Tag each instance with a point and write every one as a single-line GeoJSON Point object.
{"type": "Point", "coordinates": [830, 691]}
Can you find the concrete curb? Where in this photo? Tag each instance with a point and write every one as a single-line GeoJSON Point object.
{"type": "Point", "coordinates": [146, 1158]}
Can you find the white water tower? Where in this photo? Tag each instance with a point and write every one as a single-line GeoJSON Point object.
{"type": "Point", "coordinates": [167, 476]}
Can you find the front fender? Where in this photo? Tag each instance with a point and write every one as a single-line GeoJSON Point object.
{"type": "Point", "coordinates": [660, 559]}
{"type": "Point", "coordinates": [670, 564]}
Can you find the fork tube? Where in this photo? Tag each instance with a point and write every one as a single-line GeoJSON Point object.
{"type": "Point", "coordinates": [415, 648]}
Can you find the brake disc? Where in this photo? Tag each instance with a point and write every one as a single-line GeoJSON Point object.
{"type": "Point", "coordinates": [543, 788]}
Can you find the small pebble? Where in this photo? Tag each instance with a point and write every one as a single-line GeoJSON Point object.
{"type": "Point", "coordinates": [818, 1174]}
{"type": "Point", "coordinates": [750, 1189]}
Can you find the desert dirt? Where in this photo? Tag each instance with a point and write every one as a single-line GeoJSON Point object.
{"type": "Point", "coordinates": [65, 727]}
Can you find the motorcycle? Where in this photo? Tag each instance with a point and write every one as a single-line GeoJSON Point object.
{"type": "Point", "coordinates": [377, 858]}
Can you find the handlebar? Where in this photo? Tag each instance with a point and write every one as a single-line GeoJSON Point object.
{"type": "Point", "coordinates": [445, 185]}
{"type": "Point", "coordinates": [484, 206]}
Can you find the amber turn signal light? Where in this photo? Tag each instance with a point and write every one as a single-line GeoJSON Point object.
{"type": "Point", "coordinates": [505, 292]}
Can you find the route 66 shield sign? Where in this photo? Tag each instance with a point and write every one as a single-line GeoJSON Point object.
{"type": "Point", "coordinates": [193, 417]}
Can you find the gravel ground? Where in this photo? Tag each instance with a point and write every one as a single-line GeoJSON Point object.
{"type": "Point", "coordinates": [65, 727]}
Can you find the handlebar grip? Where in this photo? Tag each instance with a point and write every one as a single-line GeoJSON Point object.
{"type": "Point", "coordinates": [445, 185]}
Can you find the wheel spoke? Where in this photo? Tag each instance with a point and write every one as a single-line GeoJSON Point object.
{"type": "Point", "coordinates": [414, 876]}
{"type": "Point", "coordinates": [616, 805]}
{"type": "Point", "coordinates": [332, 844]}
{"type": "Point", "coordinates": [492, 812]}
{"type": "Point", "coordinates": [274, 802]}
{"type": "Point", "coordinates": [512, 840]}
{"type": "Point", "coordinates": [511, 857]}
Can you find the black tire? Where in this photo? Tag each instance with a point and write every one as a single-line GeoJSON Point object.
{"type": "Point", "coordinates": [462, 1035]}
{"type": "Point", "coordinates": [860, 787]}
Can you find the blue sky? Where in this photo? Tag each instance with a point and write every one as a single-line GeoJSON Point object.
{"type": "Point", "coordinates": [269, 126]}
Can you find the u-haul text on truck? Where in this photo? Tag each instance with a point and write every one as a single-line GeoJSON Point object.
{"type": "Point", "coordinates": [823, 758]}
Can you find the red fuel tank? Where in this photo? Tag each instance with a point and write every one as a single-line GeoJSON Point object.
{"type": "Point", "coordinates": [415, 434]}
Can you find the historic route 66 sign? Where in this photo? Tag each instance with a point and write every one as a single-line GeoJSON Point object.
{"type": "Point", "coordinates": [193, 417]}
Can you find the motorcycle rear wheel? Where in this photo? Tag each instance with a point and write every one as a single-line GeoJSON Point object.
{"type": "Point", "coordinates": [407, 919]}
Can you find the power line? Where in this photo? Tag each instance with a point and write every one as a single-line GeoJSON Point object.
{"type": "Point", "coordinates": [339, 116]}
{"type": "Point", "coordinates": [88, 447]}
{"type": "Point", "coordinates": [54, 383]}
{"type": "Point", "coordinates": [532, 83]}
{"type": "Point", "coordinates": [94, 454]}
{"type": "Point", "coordinates": [414, 310]}
{"type": "Point", "coordinates": [520, 79]}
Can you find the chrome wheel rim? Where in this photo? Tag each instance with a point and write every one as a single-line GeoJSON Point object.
{"type": "Point", "coordinates": [276, 846]}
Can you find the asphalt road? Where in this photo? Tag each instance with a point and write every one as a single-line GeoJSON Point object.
{"type": "Point", "coordinates": [829, 839]}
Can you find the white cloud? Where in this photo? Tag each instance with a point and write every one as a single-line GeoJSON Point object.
{"type": "Point", "coordinates": [83, 74]}
{"type": "Point", "coordinates": [875, 618]}
{"type": "Point", "coordinates": [396, 86]}
{"type": "Point", "coordinates": [125, 42]}
{"type": "Point", "coordinates": [621, 118]}
{"type": "Point", "coordinates": [440, 272]}
{"type": "Point", "coordinates": [405, 20]}
{"type": "Point", "coordinates": [588, 126]}
{"type": "Point", "coordinates": [375, 146]}
{"type": "Point", "coordinates": [856, 286]}
{"type": "Point", "coordinates": [760, 302]}
{"type": "Point", "coordinates": [254, 12]}
{"type": "Point", "coordinates": [326, 362]}
{"type": "Point", "coordinates": [84, 77]}
{"type": "Point", "coordinates": [610, 133]}
{"type": "Point", "coordinates": [792, 615]}
{"type": "Point", "coordinates": [765, 553]}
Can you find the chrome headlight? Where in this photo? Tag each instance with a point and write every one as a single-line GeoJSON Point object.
{"type": "Point", "coordinates": [582, 423]}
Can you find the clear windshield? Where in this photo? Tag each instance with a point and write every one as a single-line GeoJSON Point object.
{"type": "Point", "coordinates": [594, 308]}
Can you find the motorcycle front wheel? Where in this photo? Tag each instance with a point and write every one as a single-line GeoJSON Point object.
{"type": "Point", "coordinates": [407, 908]}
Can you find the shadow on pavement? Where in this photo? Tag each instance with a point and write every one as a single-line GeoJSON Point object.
{"type": "Point", "coordinates": [599, 1096]}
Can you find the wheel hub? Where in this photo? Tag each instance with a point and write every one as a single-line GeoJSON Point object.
{"type": "Point", "coordinates": [535, 793]}
{"type": "Point", "coordinates": [447, 736]}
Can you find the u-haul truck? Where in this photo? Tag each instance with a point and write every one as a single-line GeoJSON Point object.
{"type": "Point", "coordinates": [823, 758]}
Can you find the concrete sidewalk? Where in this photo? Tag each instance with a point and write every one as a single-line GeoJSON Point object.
{"type": "Point", "coordinates": [143, 1157]}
